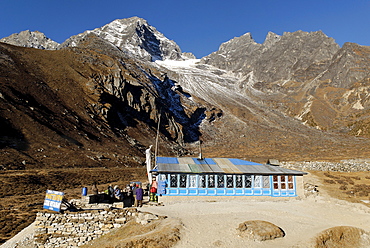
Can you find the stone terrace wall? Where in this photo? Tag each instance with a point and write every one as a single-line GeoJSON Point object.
{"type": "Point", "coordinates": [353, 165]}
{"type": "Point", "coordinates": [76, 229]}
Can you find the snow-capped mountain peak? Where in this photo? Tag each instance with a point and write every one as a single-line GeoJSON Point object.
{"type": "Point", "coordinates": [135, 36]}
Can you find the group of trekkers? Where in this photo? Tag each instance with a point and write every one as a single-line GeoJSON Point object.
{"type": "Point", "coordinates": [131, 195]}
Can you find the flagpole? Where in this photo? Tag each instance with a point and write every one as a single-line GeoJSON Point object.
{"type": "Point", "coordinates": [156, 140]}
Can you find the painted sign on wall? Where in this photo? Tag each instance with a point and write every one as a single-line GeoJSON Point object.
{"type": "Point", "coordinates": [53, 200]}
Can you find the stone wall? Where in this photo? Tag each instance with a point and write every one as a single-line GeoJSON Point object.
{"type": "Point", "coordinates": [76, 229]}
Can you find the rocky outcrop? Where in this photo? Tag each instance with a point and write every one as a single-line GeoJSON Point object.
{"type": "Point", "coordinates": [33, 39]}
{"type": "Point", "coordinates": [348, 66]}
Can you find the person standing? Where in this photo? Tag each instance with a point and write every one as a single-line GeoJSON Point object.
{"type": "Point", "coordinates": [153, 191]}
{"type": "Point", "coordinates": [127, 199]}
{"type": "Point", "coordinates": [139, 196]}
{"type": "Point", "coordinates": [95, 191]}
{"type": "Point", "coordinates": [134, 188]}
{"type": "Point", "coordinates": [117, 193]}
{"type": "Point", "coordinates": [110, 193]}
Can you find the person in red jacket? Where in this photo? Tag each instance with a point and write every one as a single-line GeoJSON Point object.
{"type": "Point", "coordinates": [153, 191]}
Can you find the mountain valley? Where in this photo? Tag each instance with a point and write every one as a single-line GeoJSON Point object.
{"type": "Point", "coordinates": [98, 100]}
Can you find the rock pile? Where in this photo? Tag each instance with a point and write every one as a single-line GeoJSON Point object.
{"type": "Point", "coordinates": [76, 229]}
{"type": "Point", "coordinates": [342, 166]}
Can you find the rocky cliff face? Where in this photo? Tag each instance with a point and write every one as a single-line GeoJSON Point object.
{"type": "Point", "coordinates": [88, 106]}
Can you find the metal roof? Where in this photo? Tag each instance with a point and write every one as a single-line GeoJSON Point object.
{"type": "Point", "coordinates": [217, 166]}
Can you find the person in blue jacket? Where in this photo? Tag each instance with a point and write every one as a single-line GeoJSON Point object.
{"type": "Point", "coordinates": [139, 196]}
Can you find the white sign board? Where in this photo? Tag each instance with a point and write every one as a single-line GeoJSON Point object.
{"type": "Point", "coordinates": [53, 200]}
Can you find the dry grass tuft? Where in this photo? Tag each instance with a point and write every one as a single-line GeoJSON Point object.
{"type": "Point", "coordinates": [260, 230]}
{"type": "Point", "coordinates": [342, 236]}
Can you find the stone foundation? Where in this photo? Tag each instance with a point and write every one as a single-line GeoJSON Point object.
{"type": "Point", "coordinates": [76, 229]}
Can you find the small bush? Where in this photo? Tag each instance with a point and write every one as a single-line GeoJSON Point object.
{"type": "Point", "coordinates": [329, 181]}
{"type": "Point", "coordinates": [330, 175]}
{"type": "Point", "coordinates": [343, 187]}
{"type": "Point", "coordinates": [341, 181]}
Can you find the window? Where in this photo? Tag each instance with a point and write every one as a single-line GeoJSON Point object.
{"type": "Point", "coordinates": [257, 181]}
{"type": "Point", "coordinates": [275, 181]}
{"type": "Point", "coordinates": [182, 181]}
{"type": "Point", "coordinates": [211, 181]}
{"type": "Point", "coordinates": [248, 181]}
{"type": "Point", "coordinates": [229, 181]}
{"type": "Point", "coordinates": [192, 181]}
{"type": "Point", "coordinates": [283, 182]}
{"type": "Point", "coordinates": [220, 181]}
{"type": "Point", "coordinates": [202, 181]}
{"type": "Point", "coordinates": [239, 181]}
{"type": "Point", "coordinates": [173, 181]}
{"type": "Point", "coordinates": [266, 182]}
{"type": "Point", "coordinates": [290, 182]}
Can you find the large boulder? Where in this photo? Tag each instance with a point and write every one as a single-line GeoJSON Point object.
{"type": "Point", "coordinates": [342, 236]}
{"type": "Point", "coordinates": [259, 230]}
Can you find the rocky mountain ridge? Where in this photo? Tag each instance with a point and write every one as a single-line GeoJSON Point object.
{"type": "Point", "coordinates": [304, 75]}
{"type": "Point", "coordinates": [132, 35]}
{"type": "Point", "coordinates": [296, 96]}
{"type": "Point", "coordinates": [33, 39]}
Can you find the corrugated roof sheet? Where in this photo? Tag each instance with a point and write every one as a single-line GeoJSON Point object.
{"type": "Point", "coordinates": [219, 165]}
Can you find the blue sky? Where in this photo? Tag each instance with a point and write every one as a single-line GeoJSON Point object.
{"type": "Point", "coordinates": [197, 26]}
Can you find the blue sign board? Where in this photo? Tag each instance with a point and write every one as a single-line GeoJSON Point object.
{"type": "Point", "coordinates": [53, 200]}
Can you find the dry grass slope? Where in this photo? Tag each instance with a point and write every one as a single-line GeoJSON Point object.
{"type": "Point", "coordinates": [162, 233]}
